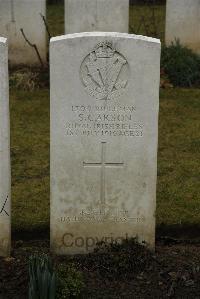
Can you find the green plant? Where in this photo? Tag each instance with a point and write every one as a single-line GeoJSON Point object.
{"type": "Point", "coordinates": [42, 283]}
{"type": "Point", "coordinates": [121, 259]}
{"type": "Point", "coordinates": [28, 79]}
{"type": "Point", "coordinates": [69, 281]}
{"type": "Point", "coordinates": [181, 65]}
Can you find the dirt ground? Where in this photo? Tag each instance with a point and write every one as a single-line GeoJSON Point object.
{"type": "Point", "coordinates": [131, 271]}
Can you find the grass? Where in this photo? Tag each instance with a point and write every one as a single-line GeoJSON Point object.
{"type": "Point", "coordinates": [147, 20]}
{"type": "Point", "coordinates": [30, 159]}
{"type": "Point", "coordinates": [55, 18]}
{"type": "Point", "coordinates": [149, 26]}
{"type": "Point", "coordinates": [178, 155]}
{"type": "Point", "coordinates": [178, 190]}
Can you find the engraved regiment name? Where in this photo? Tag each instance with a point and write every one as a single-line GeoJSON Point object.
{"type": "Point", "coordinates": [97, 121]}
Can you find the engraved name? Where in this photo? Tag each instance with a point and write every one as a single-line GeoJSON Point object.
{"type": "Point", "coordinates": [100, 120]}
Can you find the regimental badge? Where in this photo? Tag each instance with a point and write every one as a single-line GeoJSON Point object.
{"type": "Point", "coordinates": [104, 72]}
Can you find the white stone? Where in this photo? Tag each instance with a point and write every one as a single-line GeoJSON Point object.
{"type": "Point", "coordinates": [183, 23]}
{"type": "Point", "coordinates": [5, 185]}
{"type": "Point", "coordinates": [104, 133]}
{"type": "Point", "coordinates": [25, 14]}
{"type": "Point", "coordinates": [96, 15]}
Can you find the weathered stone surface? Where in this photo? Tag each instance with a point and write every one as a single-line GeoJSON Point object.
{"type": "Point", "coordinates": [104, 123]}
{"type": "Point", "coordinates": [96, 15]}
{"type": "Point", "coordinates": [5, 185]}
{"type": "Point", "coordinates": [183, 23]}
{"type": "Point", "coordinates": [25, 14]}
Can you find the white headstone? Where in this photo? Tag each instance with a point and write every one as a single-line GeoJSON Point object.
{"type": "Point", "coordinates": [5, 185]}
{"type": "Point", "coordinates": [183, 23]}
{"type": "Point", "coordinates": [96, 15]}
{"type": "Point", "coordinates": [25, 14]}
{"type": "Point", "coordinates": [104, 133]}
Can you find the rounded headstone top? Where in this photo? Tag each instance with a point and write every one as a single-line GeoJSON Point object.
{"type": "Point", "coordinates": [105, 34]}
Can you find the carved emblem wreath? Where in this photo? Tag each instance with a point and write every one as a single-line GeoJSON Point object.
{"type": "Point", "coordinates": [104, 72]}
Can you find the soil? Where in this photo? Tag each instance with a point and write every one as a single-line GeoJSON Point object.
{"type": "Point", "coordinates": [130, 271]}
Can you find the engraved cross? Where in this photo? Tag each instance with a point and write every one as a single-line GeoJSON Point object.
{"type": "Point", "coordinates": [103, 165]}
